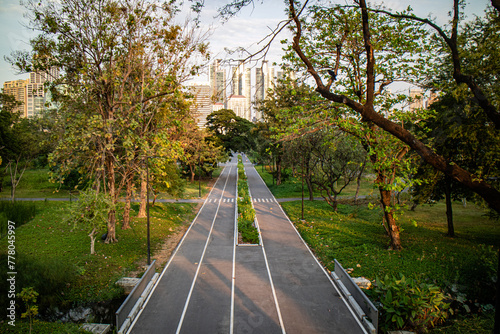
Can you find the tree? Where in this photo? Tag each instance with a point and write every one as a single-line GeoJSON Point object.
{"type": "Point", "coordinates": [286, 95]}
{"type": "Point", "coordinates": [367, 110]}
{"type": "Point", "coordinates": [333, 31]}
{"type": "Point", "coordinates": [456, 129]}
{"type": "Point", "coordinates": [233, 132]}
{"type": "Point", "coordinates": [20, 141]}
{"type": "Point", "coordinates": [29, 296]}
{"type": "Point", "coordinates": [198, 149]}
{"type": "Point", "coordinates": [116, 59]}
{"type": "Point", "coordinates": [91, 210]}
{"type": "Point", "coordinates": [336, 163]}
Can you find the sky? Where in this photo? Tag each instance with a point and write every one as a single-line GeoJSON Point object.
{"type": "Point", "coordinates": [245, 30]}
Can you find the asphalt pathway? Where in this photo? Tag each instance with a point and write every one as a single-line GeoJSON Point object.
{"type": "Point", "coordinates": [213, 285]}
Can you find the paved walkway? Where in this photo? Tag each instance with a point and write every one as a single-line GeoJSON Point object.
{"type": "Point", "coordinates": [212, 285]}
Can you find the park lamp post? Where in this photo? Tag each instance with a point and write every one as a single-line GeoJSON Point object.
{"type": "Point", "coordinates": [147, 208]}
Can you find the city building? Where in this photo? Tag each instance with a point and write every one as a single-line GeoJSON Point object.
{"type": "Point", "coordinates": [202, 103]}
{"type": "Point", "coordinates": [264, 77]}
{"type": "Point", "coordinates": [218, 81]}
{"type": "Point", "coordinates": [241, 87]}
{"type": "Point", "coordinates": [417, 99]}
{"type": "Point", "coordinates": [17, 88]}
{"type": "Point", "coordinates": [31, 92]}
{"type": "Point", "coordinates": [238, 104]}
{"type": "Point", "coordinates": [234, 92]}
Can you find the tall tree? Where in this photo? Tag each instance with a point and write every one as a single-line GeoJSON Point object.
{"type": "Point", "coordinates": [115, 58]}
{"type": "Point", "coordinates": [373, 77]}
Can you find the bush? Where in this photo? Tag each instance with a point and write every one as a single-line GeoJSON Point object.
{"type": "Point", "coordinates": [407, 303]}
{"type": "Point", "coordinates": [246, 212]}
{"type": "Point", "coordinates": [18, 212]}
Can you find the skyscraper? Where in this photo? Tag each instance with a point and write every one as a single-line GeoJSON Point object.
{"type": "Point", "coordinates": [202, 103]}
{"type": "Point", "coordinates": [241, 87]}
{"type": "Point", "coordinates": [217, 78]}
{"type": "Point", "coordinates": [264, 77]}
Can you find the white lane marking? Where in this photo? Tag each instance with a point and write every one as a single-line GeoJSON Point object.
{"type": "Point", "coordinates": [315, 258]}
{"type": "Point", "coordinates": [273, 289]}
{"type": "Point", "coordinates": [233, 275]}
{"type": "Point", "coordinates": [174, 253]}
{"type": "Point", "coordinates": [276, 303]}
{"type": "Point", "coordinates": [201, 259]}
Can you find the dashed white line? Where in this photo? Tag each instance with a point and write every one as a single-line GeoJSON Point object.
{"type": "Point", "coordinates": [276, 303]}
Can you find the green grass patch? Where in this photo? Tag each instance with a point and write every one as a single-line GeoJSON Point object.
{"type": "Point", "coordinates": [42, 327]}
{"type": "Point", "coordinates": [356, 238]}
{"type": "Point", "coordinates": [18, 212]}
{"type": "Point", "coordinates": [53, 256]}
{"type": "Point", "coordinates": [292, 186]}
{"type": "Point", "coordinates": [246, 213]}
{"type": "Point", "coordinates": [35, 184]}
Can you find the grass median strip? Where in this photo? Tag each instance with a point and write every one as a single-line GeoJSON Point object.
{"type": "Point", "coordinates": [248, 233]}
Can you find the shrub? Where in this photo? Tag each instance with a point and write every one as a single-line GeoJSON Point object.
{"type": "Point", "coordinates": [407, 303]}
{"type": "Point", "coordinates": [246, 212]}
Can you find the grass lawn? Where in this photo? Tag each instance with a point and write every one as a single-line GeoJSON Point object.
{"type": "Point", "coordinates": [355, 237]}
{"type": "Point", "coordinates": [52, 255]}
{"type": "Point", "coordinates": [42, 327]}
{"type": "Point", "coordinates": [292, 187]}
{"type": "Point", "coordinates": [35, 184]}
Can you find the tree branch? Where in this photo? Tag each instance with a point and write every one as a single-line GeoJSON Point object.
{"type": "Point", "coordinates": [482, 100]}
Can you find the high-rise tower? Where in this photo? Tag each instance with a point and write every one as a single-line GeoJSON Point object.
{"type": "Point", "coordinates": [217, 78]}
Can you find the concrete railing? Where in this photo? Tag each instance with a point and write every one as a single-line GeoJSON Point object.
{"type": "Point", "coordinates": [131, 306]}
{"type": "Point", "coordinates": [367, 312]}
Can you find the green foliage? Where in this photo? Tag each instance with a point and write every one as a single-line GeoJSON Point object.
{"type": "Point", "coordinates": [246, 212]}
{"type": "Point", "coordinates": [18, 212]}
{"type": "Point", "coordinates": [91, 210]}
{"type": "Point", "coordinates": [43, 327]}
{"type": "Point", "coordinates": [29, 297]}
{"type": "Point", "coordinates": [409, 303]}
{"type": "Point", "coordinates": [47, 275]}
{"type": "Point", "coordinates": [234, 132]}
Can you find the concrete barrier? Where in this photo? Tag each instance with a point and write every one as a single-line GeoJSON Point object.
{"type": "Point", "coordinates": [361, 304]}
{"type": "Point", "coordinates": [133, 303]}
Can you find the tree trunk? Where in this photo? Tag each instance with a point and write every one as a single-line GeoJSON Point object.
{"type": "Point", "coordinates": [449, 209]}
{"type": "Point", "coordinates": [126, 212]}
{"type": "Point", "coordinates": [392, 227]}
{"type": "Point", "coordinates": [278, 170]}
{"type": "Point", "coordinates": [92, 241]}
{"type": "Point", "coordinates": [14, 179]}
{"type": "Point", "coordinates": [335, 203]}
{"type": "Point", "coordinates": [193, 173]}
{"type": "Point", "coordinates": [310, 188]}
{"type": "Point", "coordinates": [111, 238]}
{"type": "Point", "coordinates": [144, 189]}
